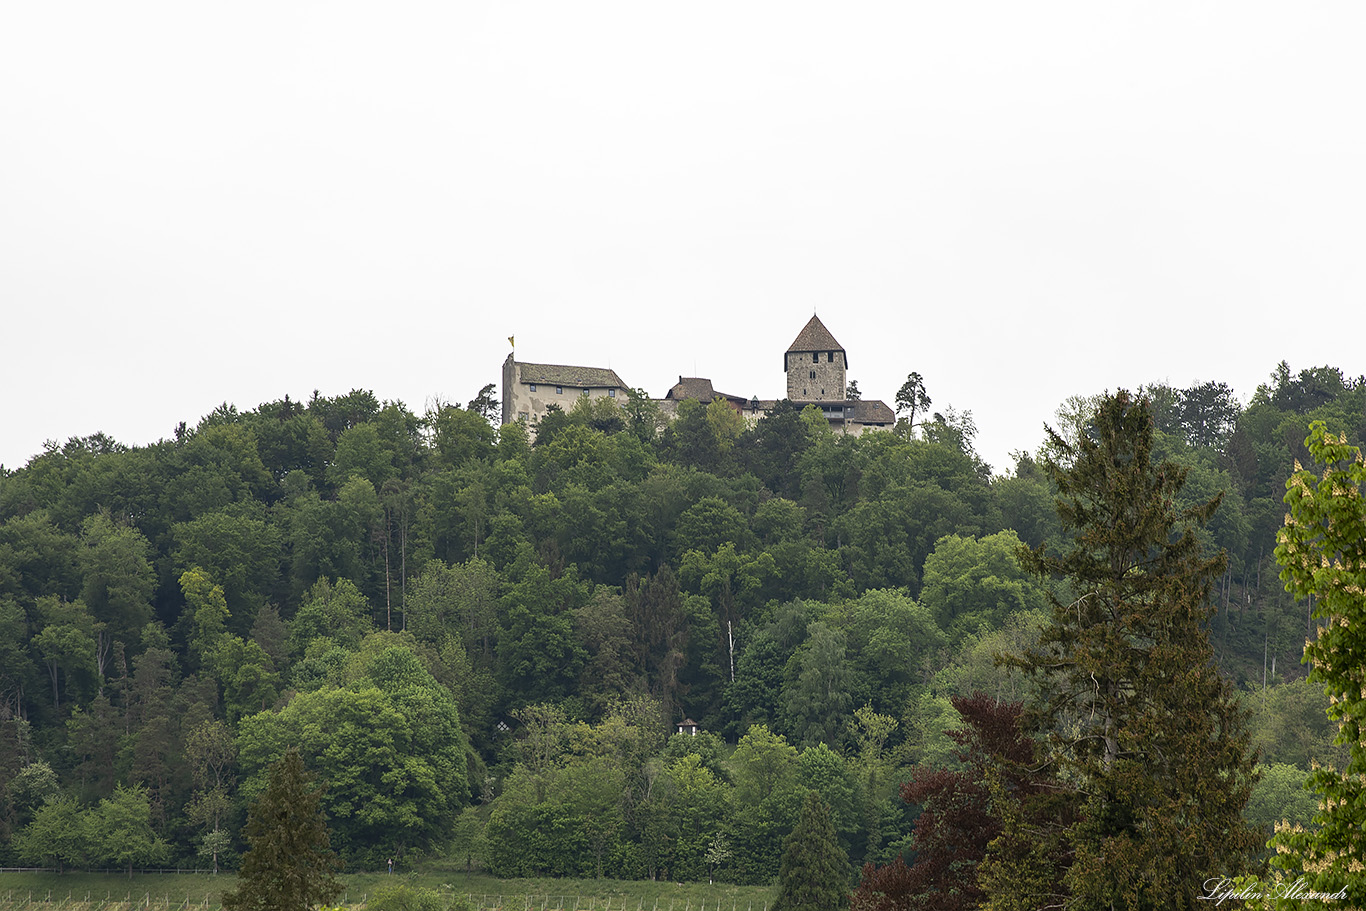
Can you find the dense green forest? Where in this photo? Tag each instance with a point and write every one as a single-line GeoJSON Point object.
{"type": "Point", "coordinates": [482, 646]}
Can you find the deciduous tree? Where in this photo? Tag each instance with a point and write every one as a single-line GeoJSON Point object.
{"type": "Point", "coordinates": [118, 581]}
{"type": "Point", "coordinates": [388, 742]}
{"type": "Point", "coordinates": [121, 829]}
{"type": "Point", "coordinates": [66, 643]}
{"type": "Point", "coordinates": [767, 802]}
{"type": "Point", "coordinates": [212, 756]}
{"type": "Point", "coordinates": [237, 551]}
{"type": "Point", "coordinates": [816, 699]}
{"type": "Point", "coordinates": [1322, 553]}
{"type": "Point", "coordinates": [58, 833]}
{"type": "Point", "coordinates": [959, 816]}
{"type": "Point", "coordinates": [971, 583]}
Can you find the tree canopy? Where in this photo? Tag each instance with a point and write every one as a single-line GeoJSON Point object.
{"type": "Point", "coordinates": [417, 599]}
{"type": "Point", "coordinates": [1322, 553]}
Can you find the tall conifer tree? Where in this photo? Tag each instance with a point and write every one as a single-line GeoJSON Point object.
{"type": "Point", "coordinates": [814, 875]}
{"type": "Point", "coordinates": [290, 863]}
{"type": "Point", "coordinates": [1133, 706]}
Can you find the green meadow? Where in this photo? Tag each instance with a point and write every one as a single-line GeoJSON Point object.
{"type": "Point", "coordinates": [79, 891]}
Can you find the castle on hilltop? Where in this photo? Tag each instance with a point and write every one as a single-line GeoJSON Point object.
{"type": "Point", "coordinates": [815, 364]}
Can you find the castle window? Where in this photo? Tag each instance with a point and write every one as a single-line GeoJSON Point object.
{"type": "Point", "coordinates": [815, 357]}
{"type": "Point", "coordinates": [585, 392]}
{"type": "Point", "coordinates": [533, 387]}
{"type": "Point", "coordinates": [611, 393]}
{"type": "Point", "coordinates": [830, 357]}
{"type": "Point", "coordinates": [813, 374]}
{"type": "Point", "coordinates": [559, 390]}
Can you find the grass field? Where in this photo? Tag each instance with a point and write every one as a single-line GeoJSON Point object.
{"type": "Point", "coordinates": [191, 892]}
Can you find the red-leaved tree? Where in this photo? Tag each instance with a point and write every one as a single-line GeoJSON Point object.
{"type": "Point", "coordinates": [958, 818]}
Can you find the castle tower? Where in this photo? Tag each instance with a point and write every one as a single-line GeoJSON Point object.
{"type": "Point", "coordinates": [815, 365]}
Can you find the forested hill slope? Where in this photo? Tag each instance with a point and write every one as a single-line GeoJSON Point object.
{"type": "Point", "coordinates": [453, 622]}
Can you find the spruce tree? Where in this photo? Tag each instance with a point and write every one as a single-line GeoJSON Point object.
{"type": "Point", "coordinates": [290, 863]}
{"type": "Point", "coordinates": [1134, 709]}
{"type": "Point", "coordinates": [814, 875]}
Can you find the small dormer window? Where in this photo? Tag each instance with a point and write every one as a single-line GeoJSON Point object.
{"type": "Point", "coordinates": [533, 387]}
{"type": "Point", "coordinates": [559, 390]}
{"type": "Point", "coordinates": [611, 393]}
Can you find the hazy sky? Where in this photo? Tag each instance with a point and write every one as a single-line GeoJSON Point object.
{"type": "Point", "coordinates": [207, 202]}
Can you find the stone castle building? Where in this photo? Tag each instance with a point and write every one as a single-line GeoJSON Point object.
{"type": "Point", "coordinates": [530, 389]}
{"type": "Point", "coordinates": [815, 364]}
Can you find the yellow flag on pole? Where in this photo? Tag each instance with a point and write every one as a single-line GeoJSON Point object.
{"type": "Point", "coordinates": [511, 342]}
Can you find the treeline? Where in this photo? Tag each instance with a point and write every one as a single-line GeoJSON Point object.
{"type": "Point", "coordinates": [480, 642]}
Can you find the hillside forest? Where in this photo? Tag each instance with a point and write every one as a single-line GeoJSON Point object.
{"type": "Point", "coordinates": [485, 648]}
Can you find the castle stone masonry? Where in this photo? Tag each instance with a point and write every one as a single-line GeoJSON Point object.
{"type": "Point", "coordinates": [530, 389]}
{"type": "Point", "coordinates": [815, 364]}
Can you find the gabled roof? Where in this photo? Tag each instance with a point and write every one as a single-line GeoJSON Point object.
{"type": "Point", "coordinates": [855, 411]}
{"type": "Point", "coordinates": [691, 387]}
{"type": "Point", "coordinates": [579, 377]}
{"type": "Point", "coordinates": [815, 337]}
{"type": "Point", "coordinates": [871, 411]}
{"type": "Point", "coordinates": [700, 388]}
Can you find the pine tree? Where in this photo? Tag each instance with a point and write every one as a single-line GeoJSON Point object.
{"type": "Point", "coordinates": [814, 875]}
{"type": "Point", "coordinates": [1134, 708]}
{"type": "Point", "coordinates": [290, 864]}
{"type": "Point", "coordinates": [1322, 552]}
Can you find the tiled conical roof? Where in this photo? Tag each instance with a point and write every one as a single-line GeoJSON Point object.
{"type": "Point", "coordinates": [815, 337]}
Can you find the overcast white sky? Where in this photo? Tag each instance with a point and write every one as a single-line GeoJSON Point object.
{"type": "Point", "coordinates": [203, 202]}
